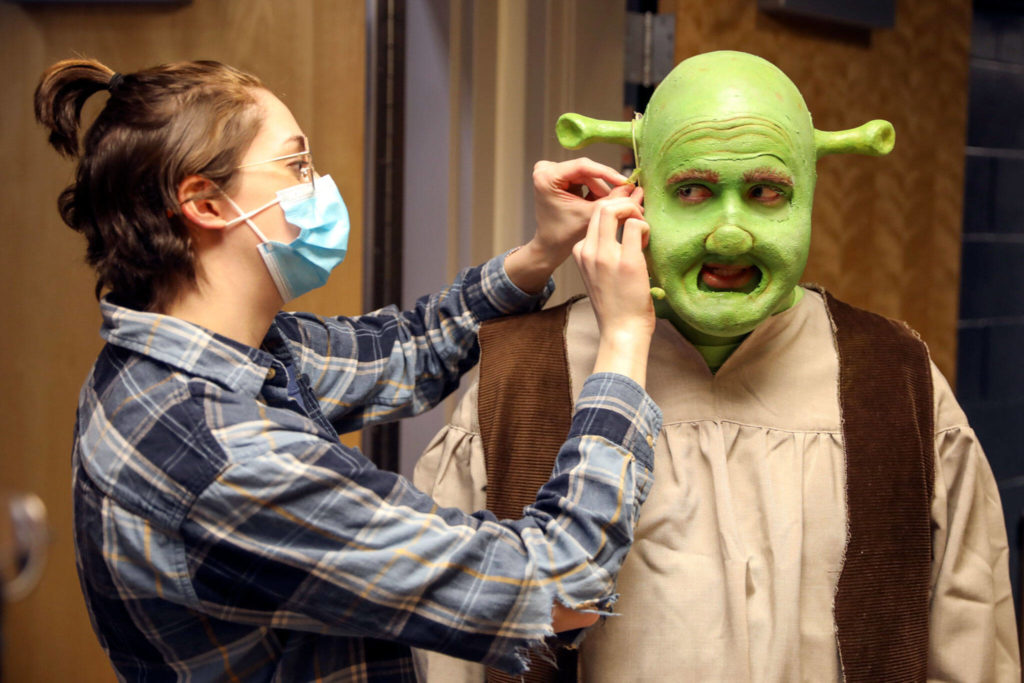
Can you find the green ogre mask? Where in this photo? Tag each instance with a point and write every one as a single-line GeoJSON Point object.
{"type": "Point", "coordinates": [726, 155]}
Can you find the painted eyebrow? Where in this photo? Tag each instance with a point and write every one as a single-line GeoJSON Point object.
{"type": "Point", "coordinates": [704, 174]}
{"type": "Point", "coordinates": [768, 175]}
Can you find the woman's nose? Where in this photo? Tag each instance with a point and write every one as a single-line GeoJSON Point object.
{"type": "Point", "coordinates": [729, 240]}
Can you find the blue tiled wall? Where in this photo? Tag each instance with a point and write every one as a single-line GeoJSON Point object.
{"type": "Point", "coordinates": [990, 363]}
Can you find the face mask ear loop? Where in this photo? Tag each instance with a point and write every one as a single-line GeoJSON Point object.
{"type": "Point", "coordinates": [259, 233]}
{"type": "Point", "coordinates": [247, 217]}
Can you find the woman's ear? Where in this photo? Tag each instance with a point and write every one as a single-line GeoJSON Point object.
{"type": "Point", "coordinates": [201, 203]}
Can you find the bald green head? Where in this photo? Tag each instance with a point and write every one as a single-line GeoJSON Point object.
{"type": "Point", "coordinates": [732, 99]}
{"type": "Point", "coordinates": [726, 155]}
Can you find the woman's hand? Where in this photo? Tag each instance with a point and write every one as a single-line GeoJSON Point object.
{"type": "Point", "coordinates": [565, 619]}
{"type": "Point", "coordinates": [615, 274]}
{"type": "Point", "coordinates": [562, 216]}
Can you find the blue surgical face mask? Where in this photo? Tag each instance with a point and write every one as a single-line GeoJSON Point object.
{"type": "Point", "coordinates": [304, 264]}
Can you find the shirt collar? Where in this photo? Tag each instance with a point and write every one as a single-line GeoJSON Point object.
{"type": "Point", "coordinates": [186, 346]}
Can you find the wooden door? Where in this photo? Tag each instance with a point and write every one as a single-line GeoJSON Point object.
{"type": "Point", "coordinates": [310, 53]}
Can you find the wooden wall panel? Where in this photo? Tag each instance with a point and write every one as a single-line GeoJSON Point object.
{"type": "Point", "coordinates": [311, 53]}
{"type": "Point", "coordinates": [886, 230]}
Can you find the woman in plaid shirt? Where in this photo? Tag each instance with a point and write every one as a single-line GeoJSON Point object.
{"type": "Point", "coordinates": [222, 530]}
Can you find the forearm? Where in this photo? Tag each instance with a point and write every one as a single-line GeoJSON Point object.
{"type": "Point", "coordinates": [578, 530]}
{"type": "Point", "coordinates": [404, 362]}
{"type": "Point", "coordinates": [384, 560]}
{"type": "Point", "coordinates": [603, 471]}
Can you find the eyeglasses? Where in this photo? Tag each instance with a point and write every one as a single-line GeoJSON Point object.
{"type": "Point", "coordinates": [302, 166]}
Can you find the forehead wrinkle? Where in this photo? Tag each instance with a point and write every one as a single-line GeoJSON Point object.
{"type": "Point", "coordinates": [696, 130]}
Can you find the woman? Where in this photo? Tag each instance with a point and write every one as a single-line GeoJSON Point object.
{"type": "Point", "coordinates": [222, 531]}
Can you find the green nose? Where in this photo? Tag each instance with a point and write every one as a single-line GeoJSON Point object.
{"type": "Point", "coordinates": [729, 240]}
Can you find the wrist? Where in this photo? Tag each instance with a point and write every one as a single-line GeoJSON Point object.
{"type": "Point", "coordinates": [530, 266]}
{"type": "Point", "coordinates": [545, 256]}
{"type": "Point", "coordinates": [624, 351]}
{"type": "Point", "coordinates": [626, 336]}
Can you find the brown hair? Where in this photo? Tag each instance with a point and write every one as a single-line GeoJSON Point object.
{"type": "Point", "coordinates": [158, 127]}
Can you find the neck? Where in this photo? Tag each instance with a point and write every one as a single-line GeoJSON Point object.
{"type": "Point", "coordinates": [715, 350]}
{"type": "Point", "coordinates": [227, 305]}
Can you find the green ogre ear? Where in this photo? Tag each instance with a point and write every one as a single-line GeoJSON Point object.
{"type": "Point", "coordinates": [875, 138]}
{"type": "Point", "coordinates": [575, 131]}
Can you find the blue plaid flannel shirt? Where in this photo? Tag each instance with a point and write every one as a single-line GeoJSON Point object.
{"type": "Point", "coordinates": [224, 533]}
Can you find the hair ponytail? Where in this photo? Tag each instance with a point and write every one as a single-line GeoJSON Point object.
{"type": "Point", "coordinates": [59, 98]}
{"type": "Point", "coordinates": [158, 127]}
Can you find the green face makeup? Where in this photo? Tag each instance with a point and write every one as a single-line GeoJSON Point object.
{"type": "Point", "coordinates": [726, 155]}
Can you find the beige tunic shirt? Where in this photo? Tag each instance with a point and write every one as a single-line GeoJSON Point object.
{"type": "Point", "coordinates": [740, 544]}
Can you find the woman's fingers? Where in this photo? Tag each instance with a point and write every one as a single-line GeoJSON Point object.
{"type": "Point", "coordinates": [634, 235]}
{"type": "Point", "coordinates": [598, 188]}
{"type": "Point", "coordinates": [601, 239]}
{"type": "Point", "coordinates": [598, 178]}
{"type": "Point", "coordinates": [611, 216]}
{"type": "Point", "coordinates": [579, 170]}
{"type": "Point", "coordinates": [638, 232]}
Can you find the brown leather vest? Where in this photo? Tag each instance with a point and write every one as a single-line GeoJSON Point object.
{"type": "Point", "coordinates": [885, 397]}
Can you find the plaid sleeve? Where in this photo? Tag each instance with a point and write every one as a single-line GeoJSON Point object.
{"type": "Point", "coordinates": [390, 364]}
{"type": "Point", "coordinates": [308, 535]}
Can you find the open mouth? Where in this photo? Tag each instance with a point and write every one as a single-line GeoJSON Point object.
{"type": "Point", "coordinates": [724, 277]}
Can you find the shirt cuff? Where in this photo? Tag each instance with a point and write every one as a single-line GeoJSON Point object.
{"type": "Point", "coordinates": [618, 409]}
{"type": "Point", "coordinates": [494, 294]}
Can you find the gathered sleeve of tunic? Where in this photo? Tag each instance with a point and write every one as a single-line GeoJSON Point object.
{"type": "Point", "coordinates": [972, 630]}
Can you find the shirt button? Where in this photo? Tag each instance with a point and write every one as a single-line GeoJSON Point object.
{"type": "Point", "coordinates": [650, 440]}
{"type": "Point", "coordinates": [271, 373]}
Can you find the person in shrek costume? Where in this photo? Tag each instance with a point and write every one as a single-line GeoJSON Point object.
{"type": "Point", "coordinates": [821, 510]}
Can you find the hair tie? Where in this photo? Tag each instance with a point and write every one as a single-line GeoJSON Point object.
{"type": "Point", "coordinates": [115, 82]}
